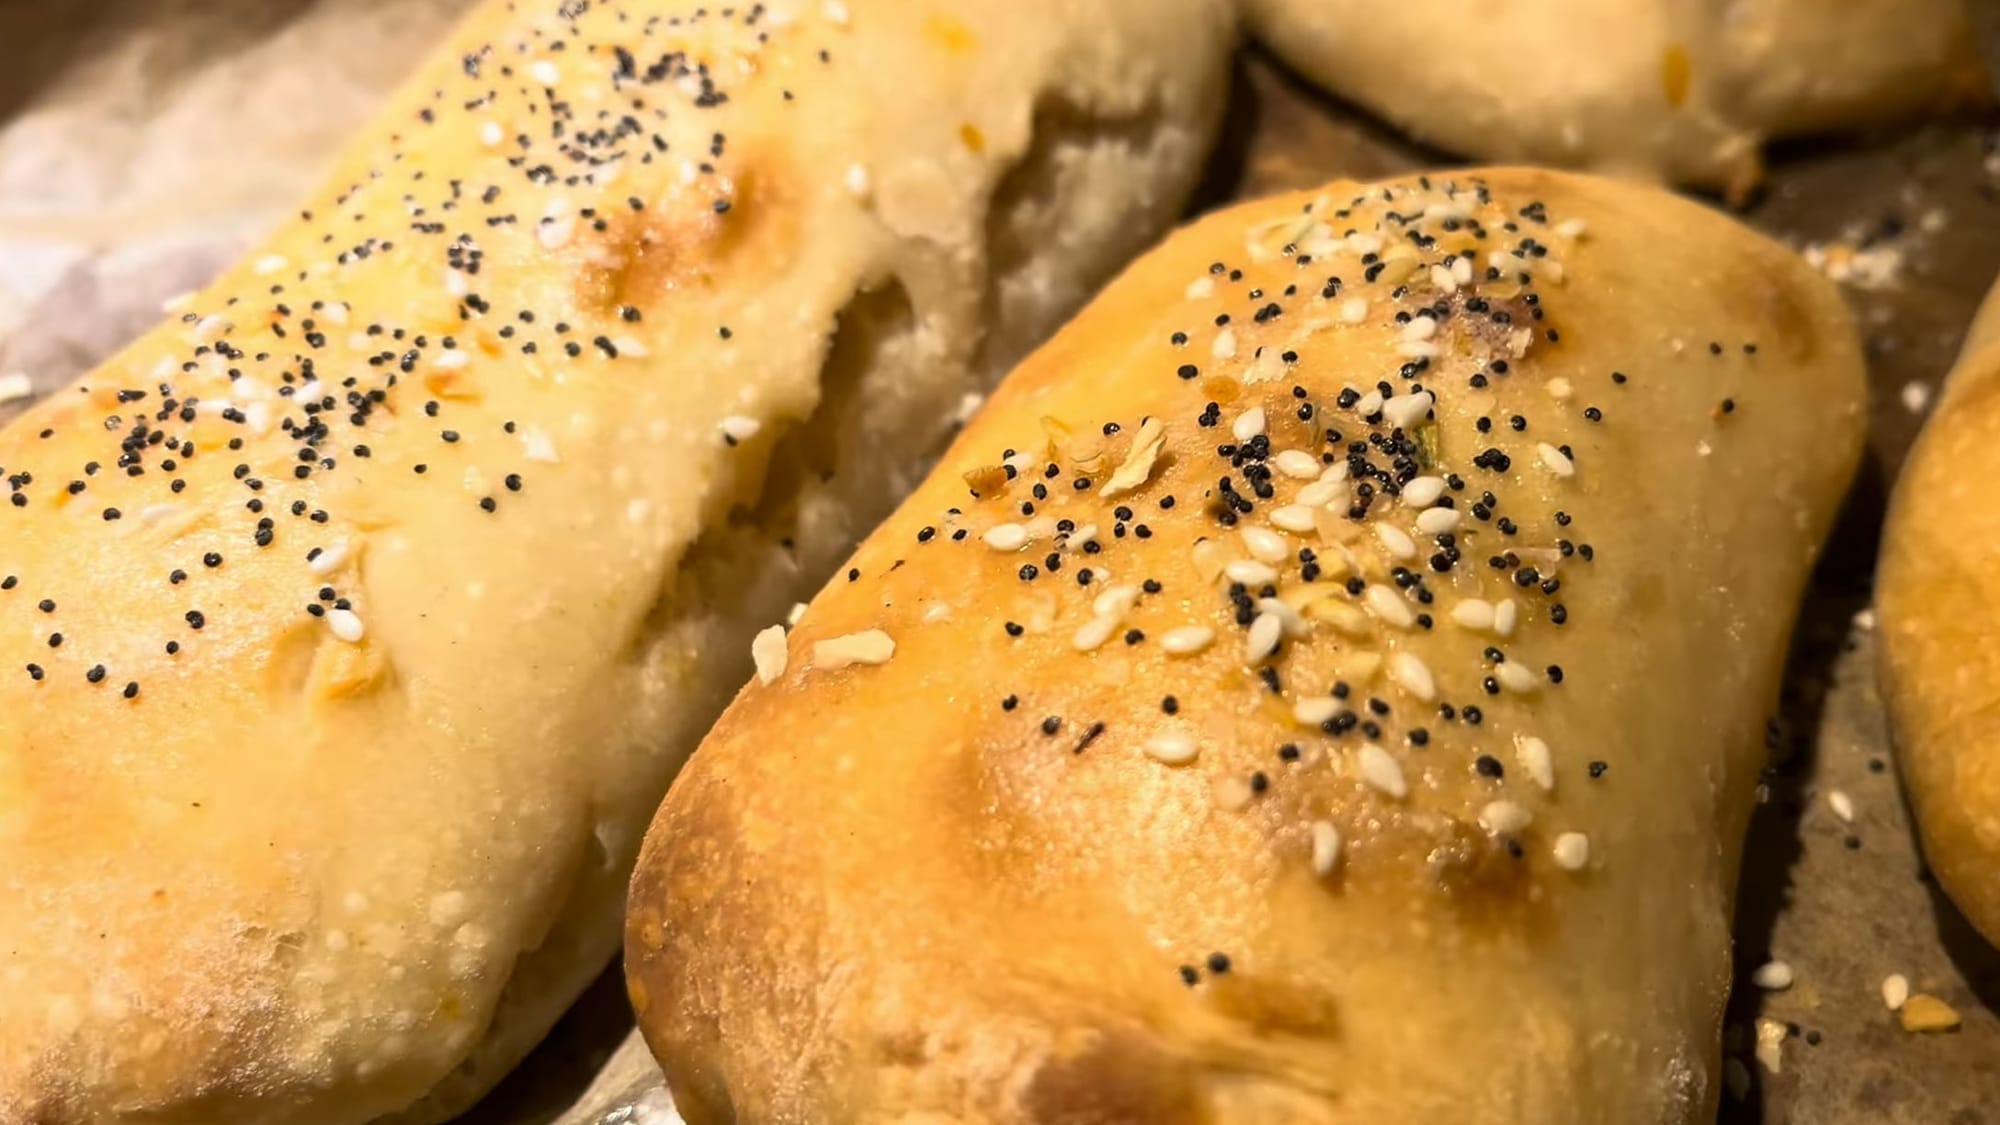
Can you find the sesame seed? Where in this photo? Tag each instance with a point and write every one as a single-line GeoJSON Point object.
{"type": "Point", "coordinates": [1437, 521]}
{"type": "Point", "coordinates": [1555, 460]}
{"type": "Point", "coordinates": [1250, 572]}
{"type": "Point", "coordinates": [345, 625]}
{"type": "Point", "coordinates": [1391, 609]}
{"type": "Point", "coordinates": [1536, 758]}
{"type": "Point", "coordinates": [1381, 771]}
{"type": "Point", "coordinates": [1422, 492]}
{"type": "Point", "coordinates": [1186, 639]}
{"type": "Point", "coordinates": [1504, 817]}
{"type": "Point", "coordinates": [1396, 542]}
{"type": "Point", "coordinates": [1772, 976]}
{"type": "Point", "coordinates": [1325, 847]}
{"type": "Point", "coordinates": [1516, 677]}
{"type": "Point", "coordinates": [1006, 537]}
{"type": "Point", "coordinates": [1314, 710]}
{"type": "Point", "coordinates": [1265, 545]}
{"type": "Point", "coordinates": [1895, 991]}
{"type": "Point", "coordinates": [1094, 633]}
{"type": "Point", "coordinates": [1410, 673]}
{"type": "Point", "coordinates": [1294, 518]}
{"type": "Point", "coordinates": [1404, 411]}
{"type": "Point", "coordinates": [1248, 424]}
{"type": "Point", "coordinates": [1265, 633]}
{"type": "Point", "coordinates": [1172, 748]}
{"type": "Point", "coordinates": [1572, 851]}
{"type": "Point", "coordinates": [1297, 464]}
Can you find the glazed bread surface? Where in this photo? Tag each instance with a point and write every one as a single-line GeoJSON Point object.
{"type": "Point", "coordinates": [354, 619]}
{"type": "Point", "coordinates": [1682, 90]}
{"type": "Point", "coordinates": [1937, 598]}
{"type": "Point", "coordinates": [1327, 683]}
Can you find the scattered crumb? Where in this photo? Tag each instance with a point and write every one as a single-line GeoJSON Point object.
{"type": "Point", "coordinates": [1924, 1012]}
{"type": "Point", "coordinates": [769, 654]}
{"type": "Point", "coordinates": [1770, 1044]}
{"type": "Point", "coordinates": [1841, 804]}
{"type": "Point", "coordinates": [1872, 255]}
{"type": "Point", "coordinates": [1772, 976]}
{"type": "Point", "coordinates": [1916, 396]}
{"type": "Point", "coordinates": [1864, 619]}
{"type": "Point", "coordinates": [1872, 267]}
{"type": "Point", "coordinates": [870, 647]}
{"type": "Point", "coordinates": [14, 387]}
{"type": "Point", "coordinates": [1895, 990]}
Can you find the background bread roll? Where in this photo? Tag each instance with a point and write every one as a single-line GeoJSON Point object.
{"type": "Point", "coordinates": [1684, 90]}
{"type": "Point", "coordinates": [1937, 598]}
{"type": "Point", "coordinates": [396, 573]}
{"type": "Point", "coordinates": [1286, 813]}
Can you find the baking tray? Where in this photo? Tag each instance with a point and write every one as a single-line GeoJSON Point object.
{"type": "Point", "coordinates": [95, 232]}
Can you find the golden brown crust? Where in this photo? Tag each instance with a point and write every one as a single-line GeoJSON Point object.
{"type": "Point", "coordinates": [1937, 596]}
{"type": "Point", "coordinates": [1000, 877]}
{"type": "Point", "coordinates": [1682, 90]}
{"type": "Point", "coordinates": [431, 536]}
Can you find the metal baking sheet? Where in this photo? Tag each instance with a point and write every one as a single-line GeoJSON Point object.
{"type": "Point", "coordinates": [109, 112]}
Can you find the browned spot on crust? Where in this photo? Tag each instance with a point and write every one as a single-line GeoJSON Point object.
{"type": "Point", "coordinates": [1483, 879]}
{"type": "Point", "coordinates": [685, 237]}
{"type": "Point", "coordinates": [973, 138]}
{"type": "Point", "coordinates": [951, 34]}
{"type": "Point", "coordinates": [990, 480]}
{"type": "Point", "coordinates": [1117, 1081]}
{"type": "Point", "coordinates": [1676, 74]}
{"type": "Point", "coordinates": [1221, 388]}
{"type": "Point", "coordinates": [1275, 1005]}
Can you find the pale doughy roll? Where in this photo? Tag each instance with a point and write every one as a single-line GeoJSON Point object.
{"type": "Point", "coordinates": [353, 620]}
{"type": "Point", "coordinates": [1684, 90]}
{"type": "Point", "coordinates": [1937, 597]}
{"type": "Point", "coordinates": [1327, 683]}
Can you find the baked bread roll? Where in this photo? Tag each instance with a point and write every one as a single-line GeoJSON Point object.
{"type": "Point", "coordinates": [395, 575]}
{"type": "Point", "coordinates": [1327, 683]}
{"type": "Point", "coordinates": [1684, 90]}
{"type": "Point", "coordinates": [1937, 600]}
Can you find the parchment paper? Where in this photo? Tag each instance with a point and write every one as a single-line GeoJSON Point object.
{"type": "Point", "coordinates": [143, 143]}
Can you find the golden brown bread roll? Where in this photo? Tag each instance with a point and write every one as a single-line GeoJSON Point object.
{"type": "Point", "coordinates": [1937, 598]}
{"type": "Point", "coordinates": [1684, 90]}
{"type": "Point", "coordinates": [1327, 683]}
{"type": "Point", "coordinates": [354, 619]}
